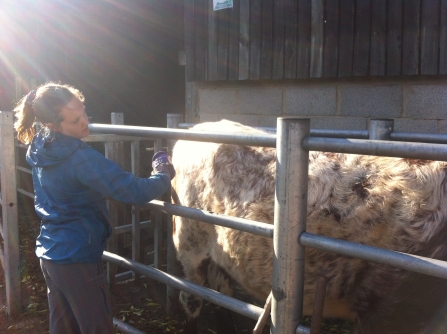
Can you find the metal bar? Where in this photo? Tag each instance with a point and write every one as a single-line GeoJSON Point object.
{"type": "Point", "coordinates": [359, 134]}
{"type": "Point", "coordinates": [265, 140]}
{"type": "Point", "coordinates": [27, 193]}
{"type": "Point", "coordinates": [136, 227]}
{"type": "Point", "coordinates": [292, 164]}
{"type": "Point", "coordinates": [26, 170]}
{"type": "Point", "coordinates": [172, 265]}
{"type": "Point", "coordinates": [128, 228]}
{"type": "Point", "coordinates": [405, 261]}
{"type": "Point", "coordinates": [9, 213]}
{"type": "Point", "coordinates": [111, 138]}
{"type": "Point", "coordinates": [185, 125]}
{"type": "Point", "coordinates": [124, 276]}
{"type": "Point", "coordinates": [246, 309]}
{"type": "Point", "coordinates": [125, 328]}
{"type": "Point", "coordinates": [114, 151]}
{"type": "Point", "coordinates": [156, 216]}
{"type": "Point", "coordinates": [440, 138]}
{"type": "Point", "coordinates": [246, 225]}
{"type": "Point", "coordinates": [378, 148]}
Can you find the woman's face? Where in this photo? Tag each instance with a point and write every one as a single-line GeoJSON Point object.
{"type": "Point", "coordinates": [75, 119]}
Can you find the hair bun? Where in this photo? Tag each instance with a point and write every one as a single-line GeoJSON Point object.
{"type": "Point", "coordinates": [30, 97]}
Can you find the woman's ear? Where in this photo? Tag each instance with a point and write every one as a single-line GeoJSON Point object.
{"type": "Point", "coordinates": [52, 127]}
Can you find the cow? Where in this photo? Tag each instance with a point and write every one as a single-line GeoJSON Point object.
{"type": "Point", "coordinates": [392, 203]}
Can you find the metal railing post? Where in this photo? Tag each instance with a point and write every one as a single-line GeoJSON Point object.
{"type": "Point", "coordinates": [136, 217]}
{"type": "Point", "coordinates": [156, 217]}
{"type": "Point", "coordinates": [114, 151]}
{"type": "Point", "coordinates": [381, 129]}
{"type": "Point", "coordinates": [292, 164]}
{"type": "Point", "coordinates": [10, 220]}
{"type": "Point", "coordinates": [173, 268]}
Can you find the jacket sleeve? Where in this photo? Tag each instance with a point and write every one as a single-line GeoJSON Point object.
{"type": "Point", "coordinates": [105, 176]}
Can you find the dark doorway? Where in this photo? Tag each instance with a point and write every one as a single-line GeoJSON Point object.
{"type": "Point", "coordinates": [123, 55]}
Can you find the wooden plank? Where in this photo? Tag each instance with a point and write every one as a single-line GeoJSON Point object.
{"type": "Point", "coordinates": [394, 38]}
{"type": "Point", "coordinates": [346, 39]}
{"type": "Point", "coordinates": [443, 38]}
{"type": "Point", "coordinates": [290, 38]}
{"type": "Point", "coordinates": [233, 41]}
{"type": "Point", "coordinates": [331, 34]}
{"type": "Point", "coordinates": [278, 39]}
{"type": "Point", "coordinates": [430, 36]}
{"type": "Point", "coordinates": [244, 39]}
{"type": "Point", "coordinates": [362, 38]}
{"type": "Point", "coordinates": [410, 41]}
{"type": "Point", "coordinates": [316, 44]}
{"type": "Point", "coordinates": [255, 40]}
{"type": "Point", "coordinates": [303, 39]}
{"type": "Point", "coordinates": [201, 40]}
{"type": "Point", "coordinates": [222, 44]}
{"type": "Point", "coordinates": [212, 44]}
{"type": "Point", "coordinates": [377, 62]}
{"type": "Point", "coordinates": [267, 39]}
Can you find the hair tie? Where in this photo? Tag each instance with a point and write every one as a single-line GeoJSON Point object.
{"type": "Point", "coordinates": [30, 97]}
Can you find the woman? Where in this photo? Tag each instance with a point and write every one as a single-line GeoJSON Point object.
{"type": "Point", "coordinates": [71, 181]}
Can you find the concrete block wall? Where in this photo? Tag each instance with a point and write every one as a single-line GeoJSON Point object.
{"type": "Point", "coordinates": [416, 105]}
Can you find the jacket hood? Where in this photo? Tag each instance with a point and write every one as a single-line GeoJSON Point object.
{"type": "Point", "coordinates": [49, 148]}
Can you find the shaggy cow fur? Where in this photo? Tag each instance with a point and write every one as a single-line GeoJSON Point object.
{"type": "Point", "coordinates": [392, 203]}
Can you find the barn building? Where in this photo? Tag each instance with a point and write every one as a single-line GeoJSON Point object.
{"type": "Point", "coordinates": [341, 63]}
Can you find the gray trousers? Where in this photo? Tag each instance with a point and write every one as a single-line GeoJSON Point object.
{"type": "Point", "coordinates": [78, 298]}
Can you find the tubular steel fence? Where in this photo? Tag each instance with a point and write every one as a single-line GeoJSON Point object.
{"type": "Point", "coordinates": [294, 140]}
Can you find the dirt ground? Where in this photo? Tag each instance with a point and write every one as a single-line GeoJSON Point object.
{"type": "Point", "coordinates": [141, 306]}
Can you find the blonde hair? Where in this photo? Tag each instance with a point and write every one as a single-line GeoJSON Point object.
{"type": "Point", "coordinates": [43, 107]}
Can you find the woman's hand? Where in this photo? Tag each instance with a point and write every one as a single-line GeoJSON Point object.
{"type": "Point", "coordinates": [161, 163]}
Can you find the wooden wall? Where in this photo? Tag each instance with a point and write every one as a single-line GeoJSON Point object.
{"type": "Point", "coordinates": [294, 39]}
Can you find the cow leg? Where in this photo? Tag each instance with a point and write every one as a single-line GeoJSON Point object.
{"type": "Point", "coordinates": [192, 242]}
{"type": "Point", "coordinates": [220, 281]}
{"type": "Point", "coordinates": [195, 274]}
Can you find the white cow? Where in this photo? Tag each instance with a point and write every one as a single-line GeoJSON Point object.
{"type": "Point", "coordinates": [392, 203]}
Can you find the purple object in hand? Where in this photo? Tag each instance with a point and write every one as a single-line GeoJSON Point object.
{"type": "Point", "coordinates": [161, 163]}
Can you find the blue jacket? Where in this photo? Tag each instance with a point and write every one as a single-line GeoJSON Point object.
{"type": "Point", "coordinates": [71, 181]}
